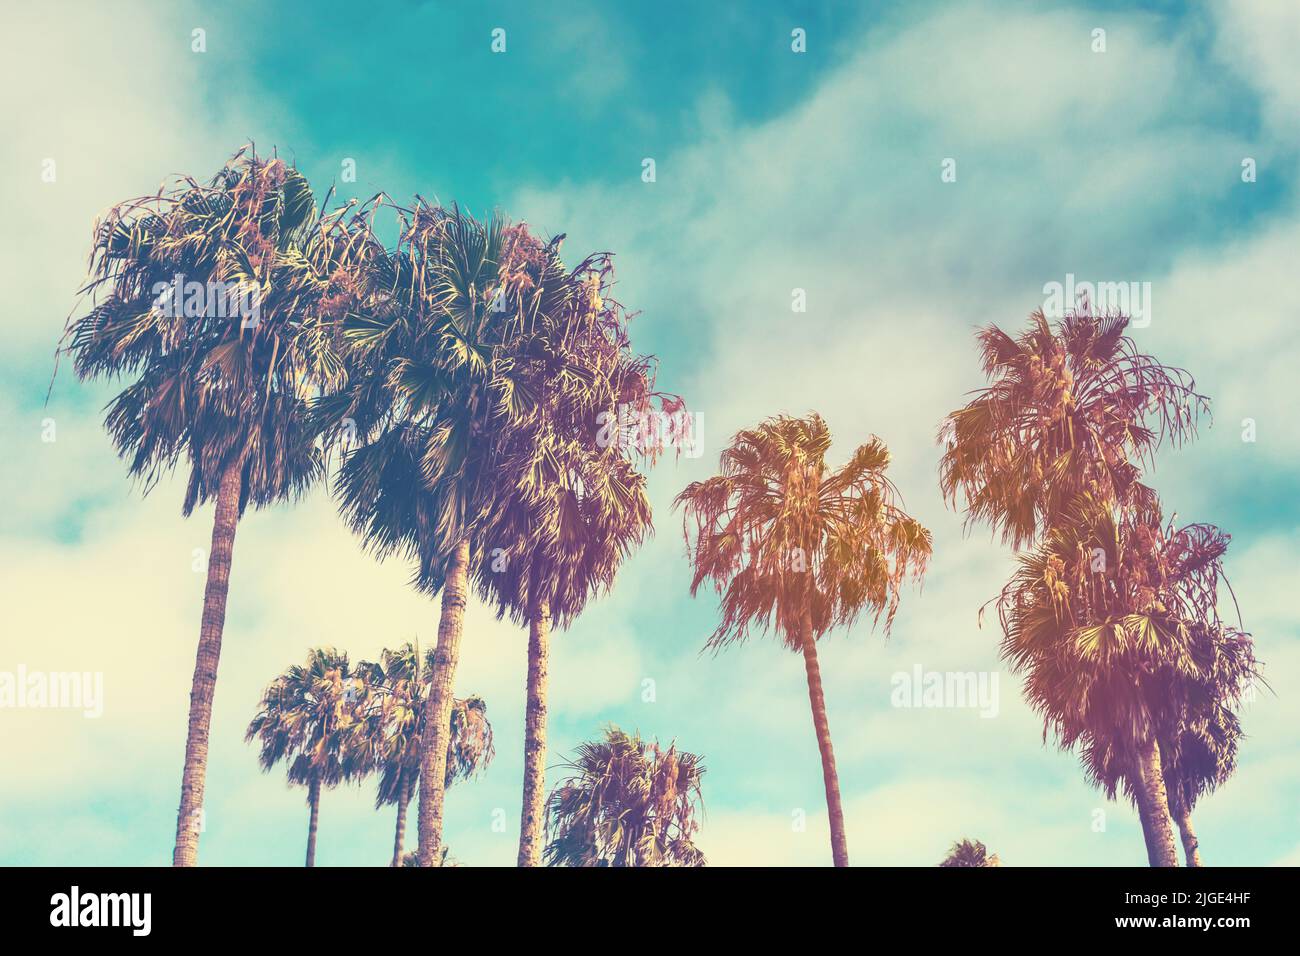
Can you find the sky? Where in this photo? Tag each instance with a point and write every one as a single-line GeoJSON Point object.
{"type": "Point", "coordinates": [775, 171]}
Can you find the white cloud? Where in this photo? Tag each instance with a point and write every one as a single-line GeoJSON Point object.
{"type": "Point", "coordinates": [1258, 38]}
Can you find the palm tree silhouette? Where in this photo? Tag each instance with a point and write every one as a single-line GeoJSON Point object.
{"type": "Point", "coordinates": [477, 370]}
{"type": "Point", "coordinates": [1051, 453]}
{"type": "Point", "coordinates": [435, 369]}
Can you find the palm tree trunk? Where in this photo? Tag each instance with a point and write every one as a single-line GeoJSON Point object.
{"type": "Point", "coordinates": [1153, 806]}
{"type": "Point", "coordinates": [403, 801]}
{"type": "Point", "coordinates": [189, 816]}
{"type": "Point", "coordinates": [835, 810]}
{"type": "Point", "coordinates": [530, 824]}
{"type": "Point", "coordinates": [313, 796]}
{"type": "Point", "coordinates": [1183, 817]}
{"type": "Point", "coordinates": [437, 722]}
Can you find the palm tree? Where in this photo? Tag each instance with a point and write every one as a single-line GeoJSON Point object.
{"type": "Point", "coordinates": [626, 803]}
{"type": "Point", "coordinates": [217, 302]}
{"type": "Point", "coordinates": [1199, 739]}
{"type": "Point", "coordinates": [573, 506]}
{"type": "Point", "coordinates": [447, 353]}
{"type": "Point", "coordinates": [1072, 411]}
{"type": "Point", "coordinates": [1072, 408]}
{"type": "Point", "coordinates": [970, 853]}
{"type": "Point", "coordinates": [559, 557]}
{"type": "Point", "coordinates": [387, 737]}
{"type": "Point", "coordinates": [1113, 619]}
{"type": "Point", "coordinates": [791, 544]}
{"type": "Point", "coordinates": [305, 718]}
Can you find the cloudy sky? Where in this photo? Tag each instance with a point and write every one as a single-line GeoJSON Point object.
{"type": "Point", "coordinates": [775, 171]}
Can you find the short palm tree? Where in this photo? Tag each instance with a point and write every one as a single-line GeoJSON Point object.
{"type": "Point", "coordinates": [970, 853]}
{"type": "Point", "coordinates": [305, 719]}
{"type": "Point", "coordinates": [221, 382]}
{"type": "Point", "coordinates": [1072, 408]}
{"type": "Point", "coordinates": [386, 739]}
{"type": "Point", "coordinates": [791, 544]}
{"type": "Point", "coordinates": [626, 802]}
{"type": "Point", "coordinates": [1113, 621]}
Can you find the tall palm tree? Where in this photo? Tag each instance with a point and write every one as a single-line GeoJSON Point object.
{"type": "Point", "coordinates": [1112, 619]}
{"type": "Point", "coordinates": [218, 303]}
{"type": "Point", "coordinates": [446, 353]}
{"type": "Point", "coordinates": [626, 803]}
{"type": "Point", "coordinates": [1072, 412]}
{"type": "Point", "coordinates": [558, 556]}
{"type": "Point", "coordinates": [1072, 408]}
{"type": "Point", "coordinates": [305, 718]}
{"type": "Point", "coordinates": [386, 739]}
{"type": "Point", "coordinates": [970, 853]}
{"type": "Point", "coordinates": [570, 506]}
{"type": "Point", "coordinates": [791, 544]}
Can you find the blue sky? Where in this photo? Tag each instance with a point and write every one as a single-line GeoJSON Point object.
{"type": "Point", "coordinates": [775, 171]}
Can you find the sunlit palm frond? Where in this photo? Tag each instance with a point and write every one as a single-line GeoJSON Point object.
{"type": "Point", "coordinates": [778, 530]}
{"type": "Point", "coordinates": [1072, 408]}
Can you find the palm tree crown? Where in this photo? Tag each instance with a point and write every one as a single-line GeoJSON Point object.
{"type": "Point", "coordinates": [777, 532]}
{"type": "Point", "coordinates": [443, 359]}
{"type": "Point", "coordinates": [970, 853]}
{"type": "Point", "coordinates": [304, 718]}
{"type": "Point", "coordinates": [229, 377]}
{"type": "Point", "coordinates": [387, 735]}
{"type": "Point", "coordinates": [626, 803]}
{"type": "Point", "coordinates": [1108, 615]}
{"type": "Point", "coordinates": [568, 508]}
{"type": "Point", "coordinates": [1073, 408]}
